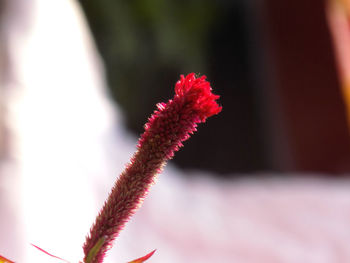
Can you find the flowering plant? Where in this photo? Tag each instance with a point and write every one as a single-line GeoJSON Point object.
{"type": "Point", "coordinates": [167, 128]}
{"type": "Point", "coordinates": [170, 125]}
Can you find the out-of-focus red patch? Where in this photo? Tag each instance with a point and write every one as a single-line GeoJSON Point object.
{"type": "Point", "coordinates": [5, 260]}
{"type": "Point", "coordinates": [143, 259]}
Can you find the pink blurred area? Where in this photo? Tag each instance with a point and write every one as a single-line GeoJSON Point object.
{"type": "Point", "coordinates": [62, 151]}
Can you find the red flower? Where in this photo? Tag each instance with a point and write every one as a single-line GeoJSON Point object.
{"type": "Point", "coordinates": [167, 128]}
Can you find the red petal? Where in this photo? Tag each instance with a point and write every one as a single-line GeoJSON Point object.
{"type": "Point", "coordinates": [47, 253]}
{"type": "Point", "coordinates": [143, 259]}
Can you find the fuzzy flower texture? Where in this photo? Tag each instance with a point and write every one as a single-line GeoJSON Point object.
{"type": "Point", "coordinates": [170, 125]}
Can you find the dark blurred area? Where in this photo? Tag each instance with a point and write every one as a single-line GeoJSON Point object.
{"type": "Point", "coordinates": [271, 61]}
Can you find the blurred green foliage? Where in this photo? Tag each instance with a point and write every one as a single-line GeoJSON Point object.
{"type": "Point", "coordinates": [146, 44]}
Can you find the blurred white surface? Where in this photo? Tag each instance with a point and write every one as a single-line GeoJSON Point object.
{"type": "Point", "coordinates": [67, 145]}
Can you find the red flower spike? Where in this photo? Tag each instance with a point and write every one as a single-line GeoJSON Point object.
{"type": "Point", "coordinates": [144, 258]}
{"type": "Point", "coordinates": [165, 131]}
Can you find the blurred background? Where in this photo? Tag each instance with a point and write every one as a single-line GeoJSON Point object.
{"type": "Point", "coordinates": [266, 180]}
{"type": "Point", "coordinates": [272, 62]}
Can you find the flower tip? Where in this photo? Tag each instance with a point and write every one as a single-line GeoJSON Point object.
{"type": "Point", "coordinates": [198, 91]}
